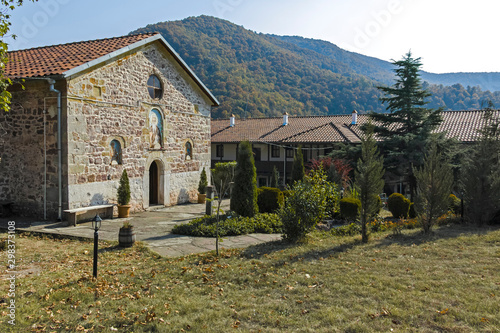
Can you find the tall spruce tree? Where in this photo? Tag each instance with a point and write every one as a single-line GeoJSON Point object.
{"type": "Point", "coordinates": [244, 194]}
{"type": "Point", "coordinates": [298, 171]}
{"type": "Point", "coordinates": [406, 129]}
{"type": "Point", "coordinates": [369, 180]}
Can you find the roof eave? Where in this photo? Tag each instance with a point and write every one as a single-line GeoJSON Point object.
{"type": "Point", "coordinates": [127, 49]}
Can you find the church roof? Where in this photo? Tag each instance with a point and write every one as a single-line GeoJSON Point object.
{"type": "Point", "coordinates": [462, 125]}
{"type": "Point", "coordinates": [69, 59]}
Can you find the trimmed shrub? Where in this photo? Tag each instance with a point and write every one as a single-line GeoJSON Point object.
{"type": "Point", "coordinates": [346, 230]}
{"type": "Point", "coordinates": [398, 205]}
{"type": "Point", "coordinates": [349, 208]}
{"type": "Point", "coordinates": [269, 199]}
{"type": "Point", "coordinates": [202, 185]}
{"type": "Point", "coordinates": [454, 204]}
{"type": "Point", "coordinates": [230, 224]}
{"type": "Point", "coordinates": [124, 189]}
{"type": "Point", "coordinates": [244, 194]}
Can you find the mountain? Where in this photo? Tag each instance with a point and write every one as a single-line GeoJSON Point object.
{"type": "Point", "coordinates": [380, 70]}
{"type": "Point", "coordinates": [257, 75]}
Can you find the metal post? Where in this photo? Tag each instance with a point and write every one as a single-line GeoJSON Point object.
{"type": "Point", "coordinates": [96, 240]}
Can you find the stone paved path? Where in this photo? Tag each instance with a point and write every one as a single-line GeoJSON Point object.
{"type": "Point", "coordinates": [154, 228]}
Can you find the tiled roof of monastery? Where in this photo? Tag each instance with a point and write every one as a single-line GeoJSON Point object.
{"type": "Point", "coordinates": [462, 125]}
{"type": "Point", "coordinates": [57, 59]}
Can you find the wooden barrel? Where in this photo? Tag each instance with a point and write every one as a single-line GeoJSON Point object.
{"type": "Point", "coordinates": [126, 237]}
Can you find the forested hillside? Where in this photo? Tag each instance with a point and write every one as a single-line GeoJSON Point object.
{"type": "Point", "coordinates": [257, 75]}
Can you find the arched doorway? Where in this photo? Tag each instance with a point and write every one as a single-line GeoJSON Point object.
{"type": "Point", "coordinates": [154, 183]}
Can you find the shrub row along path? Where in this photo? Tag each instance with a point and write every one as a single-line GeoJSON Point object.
{"type": "Point", "coordinates": [154, 228]}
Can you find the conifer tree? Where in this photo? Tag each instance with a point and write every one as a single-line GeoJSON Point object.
{"type": "Point", "coordinates": [406, 129]}
{"type": "Point", "coordinates": [124, 189]}
{"type": "Point", "coordinates": [275, 176]}
{"type": "Point", "coordinates": [434, 182]}
{"type": "Point", "coordinates": [369, 180]}
{"type": "Point", "coordinates": [244, 194]}
{"type": "Point", "coordinates": [481, 176]}
{"type": "Point", "coordinates": [298, 171]}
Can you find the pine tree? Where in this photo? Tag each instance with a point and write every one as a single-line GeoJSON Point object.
{"type": "Point", "coordinates": [298, 172]}
{"type": "Point", "coordinates": [244, 194]}
{"type": "Point", "coordinates": [434, 183]}
{"type": "Point", "coordinates": [369, 180]}
{"type": "Point", "coordinates": [275, 177]}
{"type": "Point", "coordinates": [406, 129]}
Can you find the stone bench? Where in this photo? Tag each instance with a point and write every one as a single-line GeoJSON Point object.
{"type": "Point", "coordinates": [84, 214]}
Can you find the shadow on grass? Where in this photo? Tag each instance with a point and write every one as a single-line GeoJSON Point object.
{"type": "Point", "coordinates": [260, 250]}
{"type": "Point", "coordinates": [408, 238]}
{"type": "Point", "coordinates": [417, 236]}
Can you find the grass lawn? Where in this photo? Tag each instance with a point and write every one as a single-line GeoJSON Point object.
{"type": "Point", "coordinates": [446, 282]}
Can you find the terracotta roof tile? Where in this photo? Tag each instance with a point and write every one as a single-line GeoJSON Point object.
{"type": "Point", "coordinates": [57, 59]}
{"type": "Point", "coordinates": [462, 125]}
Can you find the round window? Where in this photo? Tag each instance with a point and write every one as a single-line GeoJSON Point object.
{"type": "Point", "coordinates": [154, 87]}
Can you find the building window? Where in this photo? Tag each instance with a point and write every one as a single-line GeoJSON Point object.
{"type": "Point", "coordinates": [154, 87]}
{"type": "Point", "coordinates": [289, 152]}
{"type": "Point", "coordinates": [262, 181]}
{"type": "Point", "coordinates": [116, 152]}
{"type": "Point", "coordinates": [275, 151]}
{"type": "Point", "coordinates": [257, 154]}
{"type": "Point", "coordinates": [219, 151]}
{"type": "Point", "coordinates": [189, 151]}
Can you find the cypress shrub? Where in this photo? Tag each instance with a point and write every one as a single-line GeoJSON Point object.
{"type": "Point", "coordinates": [298, 172]}
{"type": "Point", "coordinates": [275, 177]}
{"type": "Point", "coordinates": [124, 189]}
{"type": "Point", "coordinates": [398, 205]}
{"type": "Point", "coordinates": [244, 194]}
{"type": "Point", "coordinates": [203, 182]}
{"type": "Point", "coordinates": [269, 199]}
{"type": "Point", "coordinates": [349, 208]}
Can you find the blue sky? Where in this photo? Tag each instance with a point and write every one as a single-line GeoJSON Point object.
{"type": "Point", "coordinates": [450, 36]}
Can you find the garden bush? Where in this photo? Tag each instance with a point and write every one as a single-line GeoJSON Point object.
{"type": "Point", "coordinates": [269, 199]}
{"type": "Point", "coordinates": [346, 230]}
{"type": "Point", "coordinates": [332, 200]}
{"type": "Point", "coordinates": [303, 209]}
{"type": "Point", "coordinates": [349, 208]}
{"type": "Point", "coordinates": [230, 225]}
{"type": "Point", "coordinates": [398, 205]}
{"type": "Point", "coordinates": [454, 204]}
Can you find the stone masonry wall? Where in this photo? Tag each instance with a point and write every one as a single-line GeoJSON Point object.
{"type": "Point", "coordinates": [22, 149]}
{"type": "Point", "coordinates": [112, 103]}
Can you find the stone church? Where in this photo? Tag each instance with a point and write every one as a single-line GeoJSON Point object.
{"type": "Point", "coordinates": [82, 112]}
